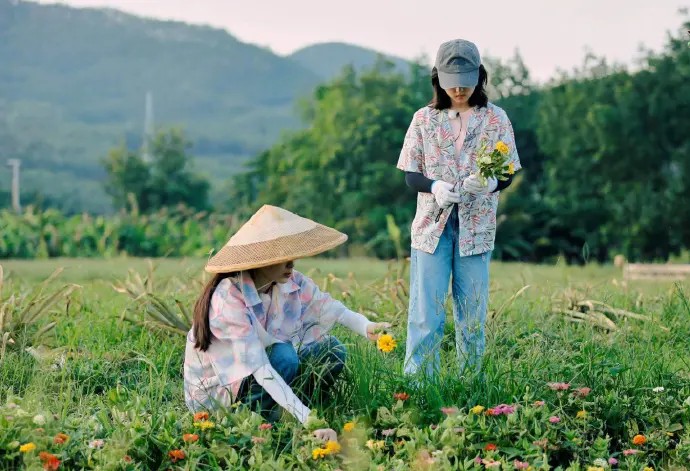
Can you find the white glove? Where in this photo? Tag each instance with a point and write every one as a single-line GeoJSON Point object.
{"type": "Point", "coordinates": [326, 434]}
{"type": "Point", "coordinates": [474, 185]}
{"type": "Point", "coordinates": [444, 194]}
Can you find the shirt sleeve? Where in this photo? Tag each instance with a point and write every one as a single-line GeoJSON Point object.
{"type": "Point", "coordinates": [278, 389]}
{"type": "Point", "coordinates": [241, 351]}
{"type": "Point", "coordinates": [320, 311]}
{"type": "Point", "coordinates": [412, 153]}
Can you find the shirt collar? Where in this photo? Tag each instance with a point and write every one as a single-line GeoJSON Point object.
{"type": "Point", "coordinates": [251, 295]}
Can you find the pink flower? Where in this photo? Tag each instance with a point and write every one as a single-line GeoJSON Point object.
{"type": "Point", "coordinates": [97, 443]}
{"type": "Point", "coordinates": [265, 427]}
{"type": "Point", "coordinates": [559, 386]}
{"type": "Point", "coordinates": [478, 460]}
{"type": "Point", "coordinates": [554, 420]}
{"type": "Point", "coordinates": [449, 410]}
{"type": "Point", "coordinates": [630, 451]}
{"type": "Point", "coordinates": [258, 440]}
{"type": "Point", "coordinates": [539, 403]}
{"type": "Point", "coordinates": [582, 392]}
{"type": "Point", "coordinates": [503, 409]}
{"type": "Point", "coordinates": [613, 461]}
{"type": "Point", "coordinates": [520, 464]}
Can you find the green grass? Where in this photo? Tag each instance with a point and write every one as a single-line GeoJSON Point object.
{"type": "Point", "coordinates": [123, 383]}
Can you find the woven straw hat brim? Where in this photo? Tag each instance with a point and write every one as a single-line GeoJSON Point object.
{"type": "Point", "coordinates": [308, 243]}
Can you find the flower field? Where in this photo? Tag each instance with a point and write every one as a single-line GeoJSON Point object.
{"type": "Point", "coordinates": [91, 376]}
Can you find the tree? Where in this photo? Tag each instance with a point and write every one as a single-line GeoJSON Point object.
{"type": "Point", "coordinates": [167, 180]}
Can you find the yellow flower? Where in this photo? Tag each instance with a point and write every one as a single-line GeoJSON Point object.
{"type": "Point", "coordinates": [595, 468]}
{"type": "Point", "coordinates": [502, 147]}
{"type": "Point", "coordinates": [349, 427]}
{"type": "Point", "coordinates": [477, 409]}
{"type": "Point", "coordinates": [332, 447]}
{"type": "Point", "coordinates": [204, 425]}
{"type": "Point", "coordinates": [581, 414]}
{"type": "Point", "coordinates": [317, 453]}
{"type": "Point", "coordinates": [374, 445]}
{"type": "Point", "coordinates": [511, 168]}
{"type": "Point", "coordinates": [386, 343]}
{"type": "Point", "coordinates": [648, 469]}
{"type": "Point", "coordinates": [27, 447]}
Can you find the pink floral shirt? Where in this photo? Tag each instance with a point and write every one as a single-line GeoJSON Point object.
{"type": "Point", "coordinates": [300, 313]}
{"type": "Point", "coordinates": [429, 149]}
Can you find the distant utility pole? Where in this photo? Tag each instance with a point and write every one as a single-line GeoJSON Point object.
{"type": "Point", "coordinates": [148, 128]}
{"type": "Point", "coordinates": [15, 164]}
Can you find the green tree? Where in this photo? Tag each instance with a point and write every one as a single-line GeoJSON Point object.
{"type": "Point", "coordinates": [166, 180]}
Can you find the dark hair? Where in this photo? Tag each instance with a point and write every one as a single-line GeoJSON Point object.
{"type": "Point", "coordinates": [441, 100]}
{"type": "Point", "coordinates": [200, 326]}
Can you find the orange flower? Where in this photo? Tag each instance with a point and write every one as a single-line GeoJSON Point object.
{"type": "Point", "coordinates": [491, 447]}
{"type": "Point", "coordinates": [190, 437]}
{"type": "Point", "coordinates": [265, 427]}
{"type": "Point", "coordinates": [199, 416]}
{"type": "Point", "coordinates": [639, 439]}
{"type": "Point", "coordinates": [401, 396]}
{"type": "Point", "coordinates": [61, 438]}
{"type": "Point", "coordinates": [176, 455]}
{"type": "Point", "coordinates": [49, 460]}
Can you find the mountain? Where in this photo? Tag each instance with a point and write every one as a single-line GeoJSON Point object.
{"type": "Point", "coordinates": [327, 59]}
{"type": "Point", "coordinates": [73, 83]}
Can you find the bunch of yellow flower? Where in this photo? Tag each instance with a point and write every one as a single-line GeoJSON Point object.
{"type": "Point", "coordinates": [494, 163]}
{"type": "Point", "coordinates": [331, 448]}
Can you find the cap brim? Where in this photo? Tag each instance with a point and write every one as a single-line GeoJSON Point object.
{"type": "Point", "coordinates": [463, 79]}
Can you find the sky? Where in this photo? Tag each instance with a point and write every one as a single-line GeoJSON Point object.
{"type": "Point", "coordinates": [550, 35]}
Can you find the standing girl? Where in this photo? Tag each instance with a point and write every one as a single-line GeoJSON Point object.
{"type": "Point", "coordinates": [454, 227]}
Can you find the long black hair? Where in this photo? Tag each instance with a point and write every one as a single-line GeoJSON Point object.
{"type": "Point", "coordinates": [441, 100]}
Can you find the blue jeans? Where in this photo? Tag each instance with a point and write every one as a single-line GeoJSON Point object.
{"type": "Point", "coordinates": [429, 277]}
{"type": "Point", "coordinates": [312, 371]}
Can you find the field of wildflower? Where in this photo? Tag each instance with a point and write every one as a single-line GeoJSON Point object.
{"type": "Point", "coordinates": [583, 371]}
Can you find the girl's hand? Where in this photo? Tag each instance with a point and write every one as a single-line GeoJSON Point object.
{"type": "Point", "coordinates": [374, 329]}
{"type": "Point", "coordinates": [326, 434]}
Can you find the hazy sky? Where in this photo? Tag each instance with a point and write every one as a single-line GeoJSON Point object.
{"type": "Point", "coordinates": [550, 34]}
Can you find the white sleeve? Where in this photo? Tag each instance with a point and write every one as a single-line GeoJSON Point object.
{"type": "Point", "coordinates": [355, 322]}
{"type": "Point", "coordinates": [275, 385]}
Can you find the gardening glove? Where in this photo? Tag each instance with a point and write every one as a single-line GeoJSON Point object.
{"type": "Point", "coordinates": [474, 185]}
{"type": "Point", "coordinates": [326, 434]}
{"type": "Point", "coordinates": [444, 194]}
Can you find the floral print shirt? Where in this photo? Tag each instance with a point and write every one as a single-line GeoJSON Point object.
{"type": "Point", "coordinates": [300, 313]}
{"type": "Point", "coordinates": [429, 148]}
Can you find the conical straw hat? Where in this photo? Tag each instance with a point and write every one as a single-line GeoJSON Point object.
{"type": "Point", "coordinates": [273, 235]}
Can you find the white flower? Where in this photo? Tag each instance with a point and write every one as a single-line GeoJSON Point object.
{"type": "Point", "coordinates": [601, 462]}
{"type": "Point", "coordinates": [39, 419]}
{"type": "Point", "coordinates": [658, 389]}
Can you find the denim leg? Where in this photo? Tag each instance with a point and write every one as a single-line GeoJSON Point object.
{"type": "Point", "coordinates": [320, 365]}
{"type": "Point", "coordinates": [470, 302]}
{"type": "Point", "coordinates": [429, 277]}
{"type": "Point", "coordinates": [284, 360]}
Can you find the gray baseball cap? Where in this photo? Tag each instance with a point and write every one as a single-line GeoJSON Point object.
{"type": "Point", "coordinates": [457, 63]}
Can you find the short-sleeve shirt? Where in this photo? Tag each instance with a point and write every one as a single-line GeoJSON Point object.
{"type": "Point", "coordinates": [429, 148]}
